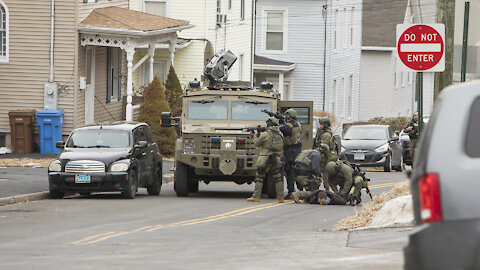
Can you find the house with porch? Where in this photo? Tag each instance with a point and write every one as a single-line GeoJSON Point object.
{"type": "Point", "coordinates": [219, 24]}
{"type": "Point", "coordinates": [310, 50]}
{"type": "Point", "coordinates": [386, 90]}
{"type": "Point", "coordinates": [80, 52]}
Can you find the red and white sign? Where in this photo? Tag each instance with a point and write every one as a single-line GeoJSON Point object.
{"type": "Point", "coordinates": [421, 47]}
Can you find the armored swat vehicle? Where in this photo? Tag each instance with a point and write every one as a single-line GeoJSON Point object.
{"type": "Point", "coordinates": [218, 126]}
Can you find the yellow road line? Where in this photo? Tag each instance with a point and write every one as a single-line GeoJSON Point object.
{"type": "Point", "coordinates": [3, 180]}
{"type": "Point", "coordinates": [101, 237]}
{"type": "Point", "coordinates": [384, 185]}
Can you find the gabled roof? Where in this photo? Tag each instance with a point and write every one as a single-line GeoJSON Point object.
{"type": "Point", "coordinates": [116, 18]}
{"type": "Point", "coordinates": [380, 19]}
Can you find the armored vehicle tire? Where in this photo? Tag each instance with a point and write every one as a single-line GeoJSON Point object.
{"type": "Point", "coordinates": [388, 164]}
{"type": "Point", "coordinates": [131, 187]}
{"type": "Point", "coordinates": [156, 186]}
{"type": "Point", "coordinates": [193, 186]}
{"type": "Point", "coordinates": [181, 179]}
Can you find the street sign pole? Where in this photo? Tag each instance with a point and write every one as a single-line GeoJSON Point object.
{"type": "Point", "coordinates": [420, 103]}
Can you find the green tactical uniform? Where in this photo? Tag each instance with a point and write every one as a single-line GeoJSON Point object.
{"type": "Point", "coordinates": [307, 172]}
{"type": "Point", "coordinates": [413, 134]}
{"type": "Point", "coordinates": [292, 142]}
{"type": "Point", "coordinates": [342, 177]}
{"type": "Point", "coordinates": [329, 156]}
{"type": "Point", "coordinates": [270, 143]}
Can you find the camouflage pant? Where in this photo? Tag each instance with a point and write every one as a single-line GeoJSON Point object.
{"type": "Point", "coordinates": [272, 170]}
{"type": "Point", "coordinates": [305, 181]}
{"type": "Point", "coordinates": [305, 195]}
{"type": "Point", "coordinates": [346, 186]}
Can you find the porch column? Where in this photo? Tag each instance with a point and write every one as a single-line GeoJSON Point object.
{"type": "Point", "coordinates": [130, 50]}
{"type": "Point", "coordinates": [280, 85]}
{"type": "Point", "coordinates": [151, 53]}
{"type": "Point", "coordinates": [173, 43]}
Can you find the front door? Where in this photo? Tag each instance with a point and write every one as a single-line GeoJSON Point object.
{"type": "Point", "coordinates": [90, 86]}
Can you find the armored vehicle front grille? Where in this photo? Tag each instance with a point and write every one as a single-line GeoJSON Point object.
{"type": "Point", "coordinates": [85, 166]}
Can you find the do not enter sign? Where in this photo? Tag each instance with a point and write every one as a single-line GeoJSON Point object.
{"type": "Point", "coordinates": [421, 47]}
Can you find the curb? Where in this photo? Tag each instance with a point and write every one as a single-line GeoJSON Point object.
{"type": "Point", "coordinates": [24, 198]}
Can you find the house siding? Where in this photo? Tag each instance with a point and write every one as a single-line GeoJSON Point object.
{"type": "Point", "coordinates": [23, 78]}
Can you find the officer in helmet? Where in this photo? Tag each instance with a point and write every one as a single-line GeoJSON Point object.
{"type": "Point", "coordinates": [325, 134]}
{"type": "Point", "coordinates": [327, 156]}
{"type": "Point", "coordinates": [307, 173]}
{"type": "Point", "coordinates": [341, 175]}
{"type": "Point", "coordinates": [292, 133]}
{"type": "Point", "coordinates": [269, 164]}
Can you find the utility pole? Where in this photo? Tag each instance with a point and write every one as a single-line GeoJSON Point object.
{"type": "Point", "coordinates": [465, 40]}
{"type": "Point", "coordinates": [446, 15]}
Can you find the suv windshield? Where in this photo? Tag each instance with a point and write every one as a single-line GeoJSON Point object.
{"type": "Point", "coordinates": [365, 133]}
{"type": "Point", "coordinates": [91, 138]}
{"type": "Point", "coordinates": [248, 110]}
{"type": "Point", "coordinates": [208, 110]}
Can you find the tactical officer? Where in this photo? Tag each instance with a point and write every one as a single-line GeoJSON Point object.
{"type": "Point", "coordinates": [341, 175]}
{"type": "Point", "coordinates": [270, 143]}
{"type": "Point", "coordinates": [320, 196]}
{"type": "Point", "coordinates": [412, 130]}
{"type": "Point", "coordinates": [325, 135]}
{"type": "Point", "coordinates": [327, 156]}
{"type": "Point", "coordinates": [292, 133]}
{"type": "Point", "coordinates": [307, 173]}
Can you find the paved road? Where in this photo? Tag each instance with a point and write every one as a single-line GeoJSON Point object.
{"type": "Point", "coordinates": [214, 229]}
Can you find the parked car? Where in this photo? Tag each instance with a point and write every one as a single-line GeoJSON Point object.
{"type": "Point", "coordinates": [372, 146]}
{"type": "Point", "coordinates": [445, 185]}
{"type": "Point", "coordinates": [119, 156]}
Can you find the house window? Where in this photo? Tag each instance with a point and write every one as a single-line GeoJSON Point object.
{"type": "Point", "coordinates": [350, 97]}
{"type": "Point", "coordinates": [114, 74]}
{"type": "Point", "coordinates": [334, 97]}
{"type": "Point", "coordinates": [155, 7]}
{"type": "Point", "coordinates": [159, 70]}
{"type": "Point", "coordinates": [345, 28]}
{"type": "Point", "coordinates": [4, 40]}
{"type": "Point", "coordinates": [242, 10]}
{"type": "Point", "coordinates": [352, 27]}
{"type": "Point", "coordinates": [219, 6]}
{"type": "Point", "coordinates": [344, 94]}
{"type": "Point", "coordinates": [335, 31]}
{"type": "Point", "coordinates": [275, 31]}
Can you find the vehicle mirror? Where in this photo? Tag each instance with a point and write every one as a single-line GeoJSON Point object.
{"type": "Point", "coordinates": [394, 138]}
{"type": "Point", "coordinates": [166, 119]}
{"type": "Point", "coordinates": [397, 132]}
{"type": "Point", "coordinates": [141, 144]}
{"type": "Point", "coordinates": [60, 144]}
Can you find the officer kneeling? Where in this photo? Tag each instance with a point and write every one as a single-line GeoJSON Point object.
{"type": "Point", "coordinates": [270, 143]}
{"type": "Point", "coordinates": [307, 173]}
{"type": "Point", "coordinates": [342, 175]}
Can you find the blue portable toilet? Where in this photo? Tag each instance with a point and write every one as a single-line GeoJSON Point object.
{"type": "Point", "coordinates": [50, 123]}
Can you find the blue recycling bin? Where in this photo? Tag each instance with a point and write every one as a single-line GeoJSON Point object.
{"type": "Point", "coordinates": [50, 123]}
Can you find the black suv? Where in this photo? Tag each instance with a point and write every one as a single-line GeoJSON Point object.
{"type": "Point", "coordinates": [119, 156]}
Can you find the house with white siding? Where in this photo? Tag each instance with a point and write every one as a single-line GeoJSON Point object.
{"type": "Point", "coordinates": [82, 51]}
{"type": "Point", "coordinates": [386, 90]}
{"type": "Point", "coordinates": [219, 25]}
{"type": "Point", "coordinates": [310, 50]}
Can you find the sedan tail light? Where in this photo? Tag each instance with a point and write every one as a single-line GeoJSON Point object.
{"type": "Point", "coordinates": [430, 203]}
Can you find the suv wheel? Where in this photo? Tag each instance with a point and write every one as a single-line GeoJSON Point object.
{"type": "Point", "coordinates": [181, 179]}
{"type": "Point", "coordinates": [156, 186]}
{"type": "Point", "coordinates": [56, 194]}
{"type": "Point", "coordinates": [131, 186]}
{"type": "Point", "coordinates": [388, 164]}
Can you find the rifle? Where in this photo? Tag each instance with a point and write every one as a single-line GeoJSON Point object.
{"type": "Point", "coordinates": [357, 171]}
{"type": "Point", "coordinates": [279, 116]}
{"type": "Point", "coordinates": [258, 128]}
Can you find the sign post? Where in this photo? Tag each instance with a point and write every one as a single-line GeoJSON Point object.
{"type": "Point", "coordinates": [421, 48]}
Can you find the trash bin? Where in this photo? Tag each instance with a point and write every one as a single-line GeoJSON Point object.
{"type": "Point", "coordinates": [50, 123]}
{"type": "Point", "coordinates": [21, 128]}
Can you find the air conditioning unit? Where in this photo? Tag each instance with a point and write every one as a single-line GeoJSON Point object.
{"type": "Point", "coordinates": [221, 19]}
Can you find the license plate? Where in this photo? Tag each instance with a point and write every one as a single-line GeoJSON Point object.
{"type": "Point", "coordinates": [82, 179]}
{"type": "Point", "coordinates": [359, 156]}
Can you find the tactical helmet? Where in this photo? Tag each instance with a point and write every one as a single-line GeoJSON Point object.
{"type": "Point", "coordinates": [330, 168]}
{"type": "Point", "coordinates": [291, 112]}
{"type": "Point", "coordinates": [273, 121]}
{"type": "Point", "coordinates": [324, 149]}
{"type": "Point", "coordinates": [325, 121]}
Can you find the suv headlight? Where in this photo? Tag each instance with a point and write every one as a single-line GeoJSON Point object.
{"type": "Point", "coordinates": [189, 146]}
{"type": "Point", "coordinates": [382, 148]}
{"type": "Point", "coordinates": [55, 166]}
{"type": "Point", "coordinates": [119, 167]}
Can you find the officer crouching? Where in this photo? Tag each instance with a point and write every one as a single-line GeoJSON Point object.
{"type": "Point", "coordinates": [269, 164]}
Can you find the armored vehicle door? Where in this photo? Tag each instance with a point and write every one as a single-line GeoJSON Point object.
{"type": "Point", "coordinates": [304, 111]}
